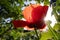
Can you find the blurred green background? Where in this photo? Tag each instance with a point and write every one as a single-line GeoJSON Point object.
{"type": "Point", "coordinates": [12, 10]}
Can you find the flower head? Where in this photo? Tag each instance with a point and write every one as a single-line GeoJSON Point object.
{"type": "Point", "coordinates": [34, 15]}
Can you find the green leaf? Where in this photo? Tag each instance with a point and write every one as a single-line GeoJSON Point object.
{"type": "Point", "coordinates": [15, 34]}
{"type": "Point", "coordinates": [46, 2]}
{"type": "Point", "coordinates": [38, 1]}
{"type": "Point", "coordinates": [56, 26]}
{"type": "Point", "coordinates": [46, 35]}
{"type": "Point", "coordinates": [55, 34]}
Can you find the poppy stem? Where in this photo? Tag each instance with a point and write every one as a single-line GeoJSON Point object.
{"type": "Point", "coordinates": [52, 30]}
{"type": "Point", "coordinates": [36, 33]}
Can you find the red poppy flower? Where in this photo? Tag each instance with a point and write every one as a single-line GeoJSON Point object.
{"type": "Point", "coordinates": [34, 15]}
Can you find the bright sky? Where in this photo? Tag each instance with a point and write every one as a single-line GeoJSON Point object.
{"type": "Point", "coordinates": [49, 17]}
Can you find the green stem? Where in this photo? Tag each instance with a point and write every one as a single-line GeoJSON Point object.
{"type": "Point", "coordinates": [56, 38]}
{"type": "Point", "coordinates": [36, 34]}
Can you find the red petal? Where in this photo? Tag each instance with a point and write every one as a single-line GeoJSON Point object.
{"type": "Point", "coordinates": [38, 25]}
{"type": "Point", "coordinates": [27, 12]}
{"type": "Point", "coordinates": [41, 25]}
{"type": "Point", "coordinates": [19, 23]}
{"type": "Point", "coordinates": [35, 12]}
{"type": "Point", "coordinates": [45, 8]}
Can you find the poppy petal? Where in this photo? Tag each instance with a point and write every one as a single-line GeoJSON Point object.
{"type": "Point", "coordinates": [19, 23]}
{"type": "Point", "coordinates": [45, 8]}
{"type": "Point", "coordinates": [34, 12]}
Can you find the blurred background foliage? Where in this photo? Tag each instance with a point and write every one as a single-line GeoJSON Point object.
{"type": "Point", "coordinates": [12, 10]}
